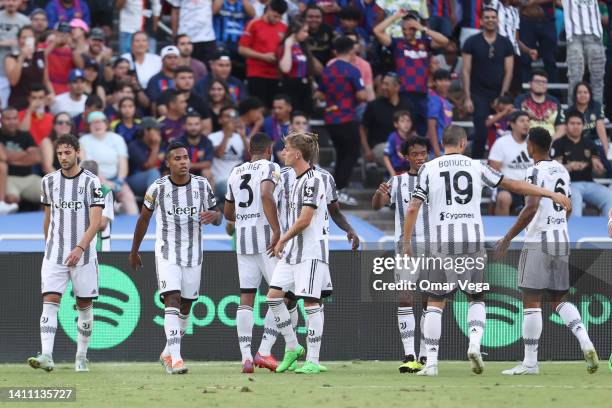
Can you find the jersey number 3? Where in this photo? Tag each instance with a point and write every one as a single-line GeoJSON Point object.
{"type": "Point", "coordinates": [245, 186]}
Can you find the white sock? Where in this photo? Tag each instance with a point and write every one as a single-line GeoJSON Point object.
{"type": "Point", "coordinates": [422, 348]}
{"type": "Point", "coordinates": [183, 323]}
{"type": "Point", "coordinates": [172, 327]}
{"type": "Point", "coordinates": [315, 333]}
{"type": "Point", "coordinates": [433, 331]}
{"type": "Point", "coordinates": [48, 326]}
{"type": "Point", "coordinates": [244, 325]}
{"type": "Point", "coordinates": [322, 311]}
{"type": "Point", "coordinates": [532, 329]}
{"type": "Point", "coordinates": [84, 327]}
{"type": "Point", "coordinates": [269, 335]}
{"type": "Point", "coordinates": [283, 322]}
{"type": "Point", "coordinates": [571, 318]}
{"type": "Point", "coordinates": [295, 317]}
{"type": "Point", "coordinates": [406, 325]}
{"type": "Point", "coordinates": [477, 319]}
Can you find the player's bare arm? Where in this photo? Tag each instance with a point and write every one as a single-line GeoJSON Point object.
{"type": "Point", "coordinates": [229, 210]}
{"type": "Point", "coordinates": [411, 217]}
{"type": "Point", "coordinates": [95, 215]}
{"type": "Point", "coordinates": [527, 189]}
{"type": "Point", "coordinates": [532, 204]}
{"type": "Point", "coordinates": [269, 207]}
{"type": "Point", "coordinates": [213, 217]}
{"type": "Point", "coordinates": [342, 223]}
{"type": "Point", "coordinates": [381, 196]}
{"type": "Point", "coordinates": [300, 225]}
{"type": "Point", "coordinates": [139, 232]}
{"type": "Point", "coordinates": [47, 221]}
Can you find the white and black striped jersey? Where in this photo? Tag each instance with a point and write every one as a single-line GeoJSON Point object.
{"type": "Point", "coordinates": [253, 231]}
{"type": "Point", "coordinates": [178, 235]}
{"type": "Point", "coordinates": [452, 184]}
{"type": "Point", "coordinates": [312, 243]}
{"type": "Point", "coordinates": [402, 189]}
{"type": "Point", "coordinates": [509, 19]}
{"type": "Point", "coordinates": [581, 17]}
{"type": "Point", "coordinates": [70, 199]}
{"type": "Point", "coordinates": [549, 226]}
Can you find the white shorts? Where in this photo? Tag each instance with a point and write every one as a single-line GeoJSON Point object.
{"type": "Point", "coordinates": [328, 287]}
{"type": "Point", "coordinates": [307, 276]}
{"type": "Point", "coordinates": [54, 279]}
{"type": "Point", "coordinates": [175, 278]}
{"type": "Point", "coordinates": [251, 268]}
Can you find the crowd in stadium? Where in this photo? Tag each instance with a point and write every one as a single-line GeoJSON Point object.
{"type": "Point", "coordinates": [212, 73]}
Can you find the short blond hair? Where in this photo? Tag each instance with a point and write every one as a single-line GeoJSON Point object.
{"type": "Point", "coordinates": [307, 143]}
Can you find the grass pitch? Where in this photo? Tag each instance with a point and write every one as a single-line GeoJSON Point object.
{"type": "Point", "coordinates": [347, 384]}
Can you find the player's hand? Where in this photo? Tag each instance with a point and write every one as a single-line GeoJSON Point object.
{"type": "Point", "coordinates": [73, 257]}
{"type": "Point", "coordinates": [134, 260]}
{"type": "Point", "coordinates": [273, 242]}
{"type": "Point", "coordinates": [353, 239]}
{"type": "Point", "coordinates": [384, 189]}
{"type": "Point", "coordinates": [501, 247]}
{"type": "Point", "coordinates": [278, 249]}
{"type": "Point", "coordinates": [563, 200]}
{"type": "Point", "coordinates": [407, 248]}
{"type": "Point", "coordinates": [208, 217]}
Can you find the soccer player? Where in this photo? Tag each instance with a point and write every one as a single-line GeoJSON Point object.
{"type": "Point", "coordinates": [184, 202]}
{"type": "Point", "coordinates": [304, 262]}
{"type": "Point", "coordinates": [73, 203]}
{"type": "Point", "coordinates": [452, 186]}
{"type": "Point", "coordinates": [399, 191]}
{"type": "Point", "coordinates": [250, 202]}
{"type": "Point", "coordinates": [543, 266]}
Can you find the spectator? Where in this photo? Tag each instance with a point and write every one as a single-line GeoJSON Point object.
{"type": "Point", "coordinates": [330, 9]}
{"type": "Point", "coordinates": [39, 21]}
{"type": "Point", "coordinates": [251, 112]}
{"type": "Point", "coordinates": [320, 35]}
{"type": "Point", "coordinates": [349, 17]}
{"type": "Point", "coordinates": [22, 154]}
{"type": "Point", "coordinates": [544, 109]}
{"type": "Point", "coordinates": [199, 147]}
{"type": "Point", "coordinates": [580, 157]}
{"type": "Point", "coordinates": [393, 6]}
{"type": "Point", "coordinates": [439, 110]}
{"type": "Point", "coordinates": [394, 159]}
{"type": "Point", "coordinates": [365, 70]}
{"type": "Point", "coordinates": [63, 11]}
{"type": "Point", "coordinates": [121, 77]}
{"type": "Point", "coordinates": [258, 45]}
{"type": "Point", "coordinates": [510, 157]}
{"type": "Point", "coordinates": [377, 122]}
{"type": "Point", "coordinates": [26, 68]}
{"type": "Point", "coordinates": [133, 17]}
{"type": "Point", "coordinates": [299, 122]}
{"type": "Point", "coordinates": [296, 63]}
{"type": "Point", "coordinates": [118, 74]}
{"type": "Point", "coordinates": [593, 117]}
{"type": "Point", "coordinates": [163, 80]}
{"type": "Point", "coordinates": [343, 90]}
{"type": "Point", "coordinates": [35, 120]}
{"type": "Point", "coordinates": [11, 21]}
{"type": "Point", "coordinates": [230, 148]}
{"type": "Point", "coordinates": [373, 14]}
{"type": "Point", "coordinates": [109, 150]}
{"type": "Point", "coordinates": [127, 125]}
{"type": "Point", "coordinates": [62, 125]}
{"type": "Point", "coordinates": [93, 103]}
{"type": "Point", "coordinates": [411, 56]}
{"type": "Point", "coordinates": [60, 58]}
{"type": "Point", "coordinates": [144, 153]}
{"type": "Point", "coordinates": [78, 36]}
{"type": "Point", "coordinates": [5, 208]}
{"type": "Point", "coordinates": [450, 60]}
{"type": "Point", "coordinates": [72, 101]}
{"type": "Point", "coordinates": [276, 125]}
{"type": "Point", "coordinates": [442, 17]}
{"type": "Point", "coordinates": [194, 18]}
{"type": "Point", "coordinates": [97, 51]}
{"type": "Point", "coordinates": [172, 124]}
{"type": "Point", "coordinates": [185, 47]}
{"type": "Point", "coordinates": [93, 82]}
{"type": "Point", "coordinates": [218, 97]}
{"type": "Point", "coordinates": [492, 57]}
{"type": "Point", "coordinates": [537, 31]}
{"type": "Point", "coordinates": [146, 64]}
{"type": "Point", "coordinates": [584, 35]}
{"type": "Point", "coordinates": [221, 68]}
{"type": "Point", "coordinates": [498, 123]}
{"type": "Point", "coordinates": [230, 18]}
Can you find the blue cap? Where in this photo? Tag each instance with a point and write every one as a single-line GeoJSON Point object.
{"type": "Point", "coordinates": [95, 115]}
{"type": "Point", "coordinates": [76, 74]}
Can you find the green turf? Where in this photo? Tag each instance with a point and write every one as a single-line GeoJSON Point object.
{"type": "Point", "coordinates": [347, 384]}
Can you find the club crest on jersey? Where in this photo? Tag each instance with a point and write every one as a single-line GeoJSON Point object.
{"type": "Point", "coordinates": [81, 190]}
{"type": "Point", "coordinates": [178, 210]}
{"type": "Point", "coordinates": [196, 194]}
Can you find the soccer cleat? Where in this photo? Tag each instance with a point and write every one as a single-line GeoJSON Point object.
{"type": "Point", "coordinates": [409, 365]}
{"type": "Point", "coordinates": [429, 371]}
{"type": "Point", "coordinates": [308, 368]}
{"type": "Point", "coordinates": [289, 358]}
{"type": "Point", "coordinates": [166, 362]}
{"type": "Point", "coordinates": [268, 362]}
{"type": "Point", "coordinates": [293, 366]}
{"type": "Point", "coordinates": [475, 359]}
{"type": "Point", "coordinates": [248, 367]}
{"type": "Point", "coordinates": [42, 361]}
{"type": "Point", "coordinates": [522, 369]}
{"type": "Point", "coordinates": [590, 355]}
{"type": "Point", "coordinates": [80, 365]}
{"type": "Point", "coordinates": [178, 367]}
{"type": "Point", "coordinates": [322, 368]}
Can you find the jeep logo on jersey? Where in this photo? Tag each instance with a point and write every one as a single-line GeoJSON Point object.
{"type": "Point", "coordinates": [177, 210]}
{"type": "Point", "coordinates": [69, 205]}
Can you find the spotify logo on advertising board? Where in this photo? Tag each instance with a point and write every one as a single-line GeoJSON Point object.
{"type": "Point", "coordinates": [116, 311]}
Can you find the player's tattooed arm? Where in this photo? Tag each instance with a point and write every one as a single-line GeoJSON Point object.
{"type": "Point", "coordinates": [342, 223]}
{"type": "Point", "coordinates": [524, 218]}
{"type": "Point", "coordinates": [141, 229]}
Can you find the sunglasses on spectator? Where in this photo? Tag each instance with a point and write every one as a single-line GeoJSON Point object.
{"type": "Point", "coordinates": [63, 122]}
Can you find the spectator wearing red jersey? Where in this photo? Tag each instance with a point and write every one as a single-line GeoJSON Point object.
{"type": "Point", "coordinates": [258, 45]}
{"type": "Point", "coordinates": [35, 119]}
{"type": "Point", "coordinates": [60, 57]}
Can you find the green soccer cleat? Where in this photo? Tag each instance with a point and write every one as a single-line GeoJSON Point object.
{"type": "Point", "coordinates": [322, 368]}
{"type": "Point", "coordinates": [592, 360]}
{"type": "Point", "coordinates": [289, 358]}
{"type": "Point", "coordinates": [293, 366]}
{"type": "Point", "coordinates": [42, 361]}
{"type": "Point", "coordinates": [409, 365]}
{"type": "Point", "coordinates": [308, 368]}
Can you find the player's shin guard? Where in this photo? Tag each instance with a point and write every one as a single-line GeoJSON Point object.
{"type": "Point", "coordinates": [84, 327]}
{"type": "Point", "coordinates": [433, 331]}
{"type": "Point", "coordinates": [269, 335]}
{"type": "Point", "coordinates": [244, 325]}
{"type": "Point", "coordinates": [283, 321]}
{"type": "Point", "coordinates": [573, 321]}
{"type": "Point", "coordinates": [422, 348]}
{"type": "Point", "coordinates": [172, 328]}
{"type": "Point", "coordinates": [48, 327]}
{"type": "Point", "coordinates": [406, 324]}
{"type": "Point", "coordinates": [315, 333]}
{"type": "Point", "coordinates": [477, 319]}
{"type": "Point", "coordinates": [532, 329]}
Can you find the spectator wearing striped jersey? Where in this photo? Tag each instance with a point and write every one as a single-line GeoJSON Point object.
{"type": "Point", "coordinates": [537, 31]}
{"type": "Point", "coordinates": [439, 110]}
{"type": "Point", "coordinates": [411, 55]}
{"type": "Point", "coordinates": [230, 17]}
{"type": "Point", "coordinates": [442, 17]}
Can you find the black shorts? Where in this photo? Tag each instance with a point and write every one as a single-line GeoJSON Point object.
{"type": "Point", "coordinates": [518, 201]}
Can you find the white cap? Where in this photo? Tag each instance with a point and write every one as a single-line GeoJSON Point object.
{"type": "Point", "coordinates": [169, 50]}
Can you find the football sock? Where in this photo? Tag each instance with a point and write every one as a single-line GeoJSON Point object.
{"type": "Point", "coordinates": [48, 326]}
{"type": "Point", "coordinates": [573, 321]}
{"type": "Point", "coordinates": [422, 348]}
{"type": "Point", "coordinates": [406, 324]}
{"type": "Point", "coordinates": [283, 322]}
{"type": "Point", "coordinates": [477, 319]}
{"type": "Point", "coordinates": [315, 333]}
{"type": "Point", "coordinates": [532, 329]}
{"type": "Point", "coordinates": [295, 317]}
{"type": "Point", "coordinates": [433, 331]}
{"type": "Point", "coordinates": [244, 325]}
{"type": "Point", "coordinates": [172, 328]}
{"type": "Point", "coordinates": [183, 322]}
{"type": "Point", "coordinates": [269, 335]}
{"type": "Point", "coordinates": [84, 327]}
